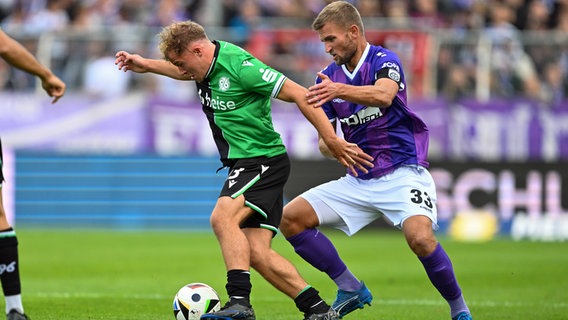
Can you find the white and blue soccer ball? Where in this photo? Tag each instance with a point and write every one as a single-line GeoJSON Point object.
{"type": "Point", "coordinates": [195, 299]}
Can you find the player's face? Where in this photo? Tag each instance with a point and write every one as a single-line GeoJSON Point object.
{"type": "Point", "coordinates": [190, 63]}
{"type": "Point", "coordinates": [338, 43]}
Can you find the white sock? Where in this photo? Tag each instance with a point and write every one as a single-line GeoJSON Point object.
{"type": "Point", "coordinates": [14, 302]}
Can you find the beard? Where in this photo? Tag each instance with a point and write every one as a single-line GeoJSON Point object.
{"type": "Point", "coordinates": [345, 58]}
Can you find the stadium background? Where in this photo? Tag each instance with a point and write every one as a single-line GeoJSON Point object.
{"type": "Point", "coordinates": [128, 151]}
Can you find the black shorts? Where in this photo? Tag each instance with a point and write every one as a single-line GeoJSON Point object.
{"type": "Point", "coordinates": [261, 180]}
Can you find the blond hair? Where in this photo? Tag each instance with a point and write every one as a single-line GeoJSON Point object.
{"type": "Point", "coordinates": [341, 13]}
{"type": "Point", "coordinates": [177, 36]}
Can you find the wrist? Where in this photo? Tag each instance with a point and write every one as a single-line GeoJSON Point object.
{"type": "Point", "coordinates": [44, 75]}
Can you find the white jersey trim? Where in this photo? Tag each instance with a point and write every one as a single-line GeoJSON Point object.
{"type": "Point", "coordinates": [351, 75]}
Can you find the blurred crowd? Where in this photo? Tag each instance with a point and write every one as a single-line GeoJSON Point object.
{"type": "Point", "coordinates": [528, 56]}
{"type": "Point", "coordinates": [528, 53]}
{"type": "Point", "coordinates": [35, 16]}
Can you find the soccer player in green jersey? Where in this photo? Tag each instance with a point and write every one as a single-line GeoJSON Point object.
{"type": "Point", "coordinates": [19, 57]}
{"type": "Point", "coordinates": [236, 91]}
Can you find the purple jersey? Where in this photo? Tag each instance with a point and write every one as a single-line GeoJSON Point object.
{"type": "Point", "coordinates": [393, 136]}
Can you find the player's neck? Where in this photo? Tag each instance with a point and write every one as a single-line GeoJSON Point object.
{"type": "Point", "coordinates": [354, 61]}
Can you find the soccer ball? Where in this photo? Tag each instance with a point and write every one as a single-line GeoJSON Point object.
{"type": "Point", "coordinates": [195, 299]}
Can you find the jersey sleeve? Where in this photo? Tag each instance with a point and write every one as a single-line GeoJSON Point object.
{"type": "Point", "coordinates": [388, 66]}
{"type": "Point", "coordinates": [260, 78]}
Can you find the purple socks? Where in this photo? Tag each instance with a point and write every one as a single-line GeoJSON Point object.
{"type": "Point", "coordinates": [314, 247]}
{"type": "Point", "coordinates": [441, 273]}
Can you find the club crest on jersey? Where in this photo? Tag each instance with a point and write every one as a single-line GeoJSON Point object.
{"type": "Point", "coordinates": [394, 75]}
{"type": "Point", "coordinates": [224, 84]}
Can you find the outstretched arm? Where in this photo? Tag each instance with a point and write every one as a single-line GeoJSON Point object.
{"type": "Point", "coordinates": [348, 154]}
{"type": "Point", "coordinates": [381, 94]}
{"type": "Point", "coordinates": [19, 57]}
{"type": "Point", "coordinates": [136, 63]}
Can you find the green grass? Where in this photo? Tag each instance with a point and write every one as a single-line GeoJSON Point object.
{"type": "Point", "coordinates": [86, 274]}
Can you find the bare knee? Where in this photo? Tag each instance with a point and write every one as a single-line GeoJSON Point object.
{"type": "Point", "coordinates": [217, 222]}
{"type": "Point", "coordinates": [298, 216]}
{"type": "Point", "coordinates": [419, 235]}
{"type": "Point", "coordinates": [292, 224]}
{"type": "Point", "coordinates": [228, 214]}
{"type": "Point", "coordinates": [422, 246]}
{"type": "Point", "coordinates": [289, 226]}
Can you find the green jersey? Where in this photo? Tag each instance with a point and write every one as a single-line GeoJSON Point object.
{"type": "Point", "coordinates": [236, 98]}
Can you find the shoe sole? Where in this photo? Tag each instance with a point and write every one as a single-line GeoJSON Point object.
{"type": "Point", "coordinates": [226, 318]}
{"type": "Point", "coordinates": [360, 305]}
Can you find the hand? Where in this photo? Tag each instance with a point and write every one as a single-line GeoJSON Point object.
{"type": "Point", "coordinates": [322, 92]}
{"type": "Point", "coordinates": [54, 87]}
{"type": "Point", "coordinates": [133, 62]}
{"type": "Point", "coordinates": [350, 155]}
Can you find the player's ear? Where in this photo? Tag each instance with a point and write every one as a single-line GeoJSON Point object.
{"type": "Point", "coordinates": [353, 31]}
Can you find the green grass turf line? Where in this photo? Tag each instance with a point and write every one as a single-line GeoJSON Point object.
{"type": "Point", "coordinates": [94, 274]}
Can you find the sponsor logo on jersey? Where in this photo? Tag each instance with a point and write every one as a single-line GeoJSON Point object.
{"type": "Point", "coordinates": [363, 116]}
{"type": "Point", "coordinates": [216, 103]}
{"type": "Point", "coordinates": [338, 100]}
{"type": "Point", "coordinates": [224, 84]}
{"type": "Point", "coordinates": [390, 65]}
{"type": "Point", "coordinates": [247, 63]}
{"type": "Point", "coordinates": [232, 183]}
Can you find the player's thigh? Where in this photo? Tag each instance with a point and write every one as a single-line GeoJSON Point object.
{"type": "Point", "coordinates": [343, 204]}
{"type": "Point", "coordinates": [229, 211]}
{"type": "Point", "coordinates": [411, 192]}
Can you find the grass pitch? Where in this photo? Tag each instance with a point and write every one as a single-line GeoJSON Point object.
{"type": "Point", "coordinates": [89, 274]}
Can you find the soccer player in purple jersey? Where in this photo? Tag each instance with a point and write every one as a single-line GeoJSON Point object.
{"type": "Point", "coordinates": [365, 90]}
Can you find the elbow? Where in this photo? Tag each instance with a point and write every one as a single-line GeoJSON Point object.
{"type": "Point", "coordinates": [385, 104]}
{"type": "Point", "coordinates": [381, 104]}
{"type": "Point", "coordinates": [322, 149]}
{"type": "Point", "coordinates": [383, 101]}
{"type": "Point", "coordinates": [4, 51]}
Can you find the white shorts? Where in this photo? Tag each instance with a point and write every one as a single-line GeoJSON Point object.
{"type": "Point", "coordinates": [349, 204]}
